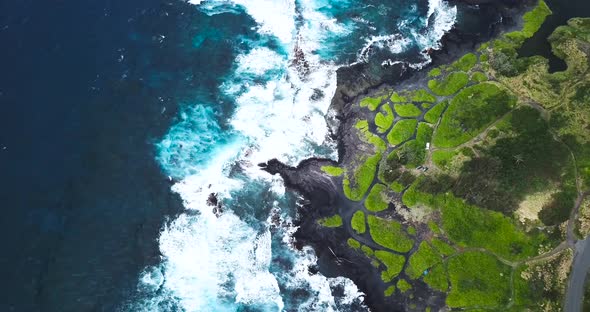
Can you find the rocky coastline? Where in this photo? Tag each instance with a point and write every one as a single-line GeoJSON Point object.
{"type": "Point", "coordinates": [324, 195]}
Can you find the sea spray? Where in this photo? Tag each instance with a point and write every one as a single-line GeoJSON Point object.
{"type": "Point", "coordinates": [281, 88]}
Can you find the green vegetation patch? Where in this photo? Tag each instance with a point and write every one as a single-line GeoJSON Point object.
{"type": "Point", "coordinates": [465, 63]}
{"type": "Point", "coordinates": [443, 158]}
{"type": "Point", "coordinates": [333, 170]}
{"type": "Point", "coordinates": [414, 151]}
{"type": "Point", "coordinates": [423, 96]}
{"type": "Point", "coordinates": [358, 222]}
{"type": "Point", "coordinates": [372, 102]}
{"type": "Point", "coordinates": [450, 84]}
{"type": "Point", "coordinates": [434, 113]}
{"type": "Point", "coordinates": [524, 159]}
{"type": "Point", "coordinates": [437, 278]}
{"type": "Point", "coordinates": [532, 22]}
{"type": "Point", "coordinates": [478, 77]}
{"type": "Point", "coordinates": [397, 187]}
{"type": "Point", "coordinates": [424, 258]}
{"type": "Point", "coordinates": [394, 264]}
{"type": "Point", "coordinates": [478, 279]}
{"type": "Point", "coordinates": [331, 222]}
{"type": "Point", "coordinates": [397, 98]}
{"type": "Point", "coordinates": [470, 112]}
{"type": "Point", "coordinates": [356, 186]}
{"type": "Point", "coordinates": [471, 226]}
{"type": "Point", "coordinates": [353, 243]}
{"type": "Point", "coordinates": [435, 72]}
{"type": "Point", "coordinates": [375, 200]}
{"type": "Point", "coordinates": [367, 136]}
{"type": "Point", "coordinates": [403, 285]}
{"type": "Point", "coordinates": [384, 118]}
{"type": "Point", "coordinates": [402, 131]}
{"type": "Point", "coordinates": [389, 291]}
{"type": "Point", "coordinates": [389, 234]}
{"type": "Point", "coordinates": [407, 110]}
{"type": "Point", "coordinates": [442, 247]}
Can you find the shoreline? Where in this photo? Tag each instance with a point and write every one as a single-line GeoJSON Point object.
{"type": "Point", "coordinates": [336, 259]}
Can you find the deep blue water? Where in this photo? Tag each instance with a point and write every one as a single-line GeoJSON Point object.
{"type": "Point", "coordinates": [102, 103]}
{"type": "Point", "coordinates": [83, 88]}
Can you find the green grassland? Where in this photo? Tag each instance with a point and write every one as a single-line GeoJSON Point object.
{"type": "Point", "coordinates": [434, 113]}
{"type": "Point", "coordinates": [358, 222]}
{"type": "Point", "coordinates": [402, 131]}
{"type": "Point", "coordinates": [333, 171]}
{"type": "Point", "coordinates": [403, 285]}
{"type": "Point", "coordinates": [407, 110]}
{"type": "Point", "coordinates": [375, 201]}
{"type": "Point", "coordinates": [437, 278]}
{"type": "Point", "coordinates": [450, 84]}
{"type": "Point", "coordinates": [331, 222]}
{"type": "Point", "coordinates": [384, 118]}
{"type": "Point", "coordinates": [393, 263]}
{"type": "Point", "coordinates": [421, 260]}
{"type": "Point", "coordinates": [506, 130]}
{"type": "Point", "coordinates": [465, 63]}
{"type": "Point", "coordinates": [470, 112]}
{"type": "Point", "coordinates": [479, 279]}
{"type": "Point", "coordinates": [389, 234]}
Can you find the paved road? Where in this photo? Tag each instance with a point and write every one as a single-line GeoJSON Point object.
{"type": "Point", "coordinates": [575, 289]}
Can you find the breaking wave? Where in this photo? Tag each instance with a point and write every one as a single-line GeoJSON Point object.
{"type": "Point", "coordinates": [233, 255]}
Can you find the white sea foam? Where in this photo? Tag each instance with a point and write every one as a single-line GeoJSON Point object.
{"type": "Point", "coordinates": [444, 17]}
{"type": "Point", "coordinates": [217, 261]}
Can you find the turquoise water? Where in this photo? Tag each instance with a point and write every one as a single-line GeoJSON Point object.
{"type": "Point", "coordinates": [270, 104]}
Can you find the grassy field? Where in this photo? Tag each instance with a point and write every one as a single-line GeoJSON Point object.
{"type": "Point", "coordinates": [465, 63]}
{"type": "Point", "coordinates": [402, 131]}
{"type": "Point", "coordinates": [375, 201]}
{"type": "Point", "coordinates": [421, 260]}
{"type": "Point", "coordinates": [449, 85]}
{"type": "Point", "coordinates": [470, 112]}
{"type": "Point", "coordinates": [393, 263]}
{"type": "Point", "coordinates": [356, 186]}
{"type": "Point", "coordinates": [333, 171]}
{"type": "Point", "coordinates": [437, 278]}
{"type": "Point", "coordinates": [403, 285]}
{"type": "Point", "coordinates": [358, 222]}
{"type": "Point", "coordinates": [384, 118]}
{"type": "Point", "coordinates": [478, 279]}
{"type": "Point", "coordinates": [389, 234]}
{"type": "Point", "coordinates": [434, 113]}
{"type": "Point", "coordinates": [407, 110]}
{"type": "Point", "coordinates": [331, 222]}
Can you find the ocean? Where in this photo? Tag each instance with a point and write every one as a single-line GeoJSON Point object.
{"type": "Point", "coordinates": [120, 120]}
